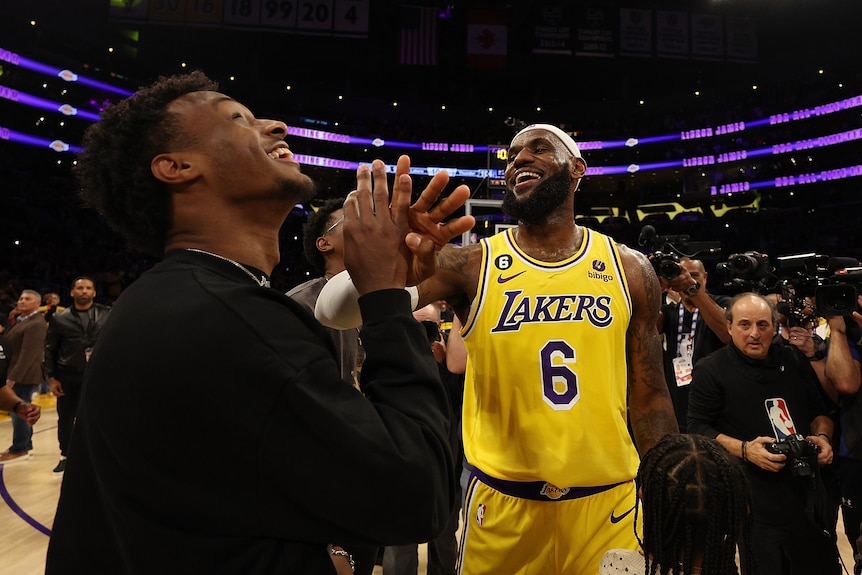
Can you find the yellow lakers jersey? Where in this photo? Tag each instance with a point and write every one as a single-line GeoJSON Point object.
{"type": "Point", "coordinates": [545, 389]}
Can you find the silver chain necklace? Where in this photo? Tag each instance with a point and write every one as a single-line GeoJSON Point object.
{"type": "Point", "coordinates": [262, 282]}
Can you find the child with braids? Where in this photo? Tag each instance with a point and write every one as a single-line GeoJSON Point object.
{"type": "Point", "coordinates": [695, 501]}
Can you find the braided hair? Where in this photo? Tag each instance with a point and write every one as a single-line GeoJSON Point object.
{"type": "Point", "coordinates": [696, 503]}
{"type": "Point", "coordinates": [114, 169]}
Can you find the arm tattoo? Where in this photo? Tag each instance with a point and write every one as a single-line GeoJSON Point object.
{"type": "Point", "coordinates": [650, 428]}
{"type": "Point", "coordinates": [651, 413]}
{"type": "Point", "coordinates": [455, 277]}
{"type": "Point", "coordinates": [651, 357]}
{"type": "Point", "coordinates": [454, 259]}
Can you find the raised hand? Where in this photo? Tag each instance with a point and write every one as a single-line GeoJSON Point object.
{"type": "Point", "coordinates": [374, 230]}
{"type": "Point", "coordinates": [428, 230]}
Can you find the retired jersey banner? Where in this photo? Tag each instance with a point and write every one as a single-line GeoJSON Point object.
{"type": "Point", "coordinates": [595, 31]}
{"type": "Point", "coordinates": [707, 37]}
{"type": "Point", "coordinates": [741, 39]}
{"type": "Point", "coordinates": [671, 32]}
{"type": "Point", "coordinates": [553, 29]}
{"type": "Point", "coordinates": [635, 32]}
{"type": "Point", "coordinates": [487, 39]}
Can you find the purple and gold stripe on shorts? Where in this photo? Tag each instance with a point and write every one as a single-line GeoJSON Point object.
{"type": "Point", "coordinates": [539, 490]}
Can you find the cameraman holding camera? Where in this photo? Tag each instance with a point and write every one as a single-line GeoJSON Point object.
{"type": "Point", "coordinates": [828, 337]}
{"type": "Point", "coordinates": [760, 400]}
{"type": "Point", "coordinates": [693, 328]}
{"type": "Point", "coordinates": [841, 380]}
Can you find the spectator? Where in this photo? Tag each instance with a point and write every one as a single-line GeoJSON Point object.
{"type": "Point", "coordinates": [825, 343]}
{"type": "Point", "coordinates": [842, 380]}
{"type": "Point", "coordinates": [693, 327]}
{"type": "Point", "coordinates": [456, 362]}
{"type": "Point", "coordinates": [323, 247]}
{"type": "Point", "coordinates": [27, 340]}
{"type": "Point", "coordinates": [29, 412]}
{"type": "Point", "coordinates": [72, 333]}
{"type": "Point", "coordinates": [749, 396]}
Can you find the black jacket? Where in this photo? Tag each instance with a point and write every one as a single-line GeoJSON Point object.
{"type": "Point", "coordinates": [67, 339]}
{"type": "Point", "coordinates": [215, 434]}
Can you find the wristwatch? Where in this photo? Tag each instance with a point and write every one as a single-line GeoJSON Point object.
{"type": "Point", "coordinates": [692, 289]}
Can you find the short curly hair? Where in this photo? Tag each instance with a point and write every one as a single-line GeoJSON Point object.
{"type": "Point", "coordinates": [314, 227]}
{"type": "Point", "coordinates": [113, 171]}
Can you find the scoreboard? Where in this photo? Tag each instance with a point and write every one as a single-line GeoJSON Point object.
{"type": "Point", "coordinates": [347, 18]}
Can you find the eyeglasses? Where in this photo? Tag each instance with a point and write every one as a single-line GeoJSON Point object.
{"type": "Point", "coordinates": [332, 227]}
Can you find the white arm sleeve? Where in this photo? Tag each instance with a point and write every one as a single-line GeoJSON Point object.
{"type": "Point", "coordinates": [338, 303]}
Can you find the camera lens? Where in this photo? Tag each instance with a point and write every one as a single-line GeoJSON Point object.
{"type": "Point", "coordinates": [669, 269]}
{"type": "Point", "coordinates": [743, 262]}
{"type": "Point", "coordinates": [838, 299]}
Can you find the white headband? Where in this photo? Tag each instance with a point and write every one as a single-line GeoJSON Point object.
{"type": "Point", "coordinates": [566, 139]}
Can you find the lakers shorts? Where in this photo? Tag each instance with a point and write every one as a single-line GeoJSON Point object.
{"type": "Point", "coordinates": [537, 529]}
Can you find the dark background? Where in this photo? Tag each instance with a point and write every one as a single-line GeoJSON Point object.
{"type": "Point", "coordinates": [809, 54]}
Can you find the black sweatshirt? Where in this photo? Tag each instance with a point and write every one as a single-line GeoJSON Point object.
{"type": "Point", "coordinates": [732, 394]}
{"type": "Point", "coordinates": [215, 434]}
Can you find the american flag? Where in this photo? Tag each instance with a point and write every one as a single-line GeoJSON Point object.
{"type": "Point", "coordinates": [418, 36]}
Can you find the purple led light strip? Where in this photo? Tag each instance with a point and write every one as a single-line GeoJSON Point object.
{"type": "Point", "coordinates": [67, 75]}
{"type": "Point", "coordinates": [42, 103]}
{"type": "Point", "coordinates": [698, 133]}
{"type": "Point", "coordinates": [796, 180]}
{"type": "Point", "coordinates": [22, 138]}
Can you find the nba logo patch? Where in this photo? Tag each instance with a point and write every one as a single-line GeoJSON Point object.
{"type": "Point", "coordinates": [779, 417]}
{"type": "Point", "coordinates": [480, 514]}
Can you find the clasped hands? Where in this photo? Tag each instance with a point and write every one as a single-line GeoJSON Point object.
{"type": "Point", "coordinates": [389, 243]}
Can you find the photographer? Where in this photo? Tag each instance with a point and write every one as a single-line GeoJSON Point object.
{"type": "Point", "coordinates": [693, 328]}
{"type": "Point", "coordinates": [841, 382]}
{"type": "Point", "coordinates": [831, 347]}
{"type": "Point", "coordinates": [760, 400]}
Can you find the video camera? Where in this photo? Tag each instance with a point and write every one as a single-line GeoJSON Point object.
{"type": "Point", "coordinates": [665, 260]}
{"type": "Point", "coordinates": [747, 271]}
{"type": "Point", "coordinates": [834, 282]}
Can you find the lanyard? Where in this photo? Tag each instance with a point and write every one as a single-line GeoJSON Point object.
{"type": "Point", "coordinates": [694, 316]}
